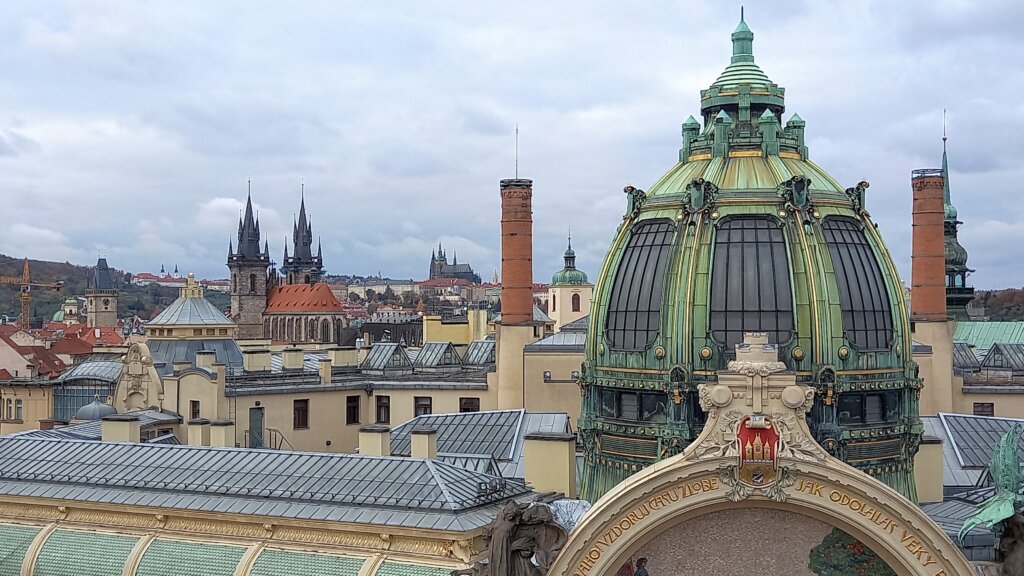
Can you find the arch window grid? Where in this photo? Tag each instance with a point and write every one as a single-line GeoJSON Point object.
{"type": "Point", "coordinates": [634, 309]}
{"type": "Point", "coordinates": [750, 285]}
{"type": "Point", "coordinates": [575, 302]}
{"type": "Point", "coordinates": [867, 313]}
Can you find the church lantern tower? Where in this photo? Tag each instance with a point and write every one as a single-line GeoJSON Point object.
{"type": "Point", "coordinates": [251, 276]}
{"type": "Point", "coordinates": [958, 293]}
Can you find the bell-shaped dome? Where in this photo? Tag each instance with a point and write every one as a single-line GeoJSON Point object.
{"type": "Point", "coordinates": [95, 410]}
{"type": "Point", "coordinates": [745, 234]}
{"type": "Point", "coordinates": [569, 275]}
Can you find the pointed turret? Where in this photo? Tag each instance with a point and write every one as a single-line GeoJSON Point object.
{"type": "Point", "coordinates": [958, 293]}
{"type": "Point", "coordinates": [303, 266]}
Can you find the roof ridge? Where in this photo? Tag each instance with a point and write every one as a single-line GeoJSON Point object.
{"type": "Point", "coordinates": [442, 484]}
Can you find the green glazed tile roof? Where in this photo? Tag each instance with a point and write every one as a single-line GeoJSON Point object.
{"type": "Point", "coordinates": [279, 562]}
{"type": "Point", "coordinates": [397, 569]}
{"type": "Point", "coordinates": [982, 335]}
{"type": "Point", "coordinates": [177, 558]}
{"type": "Point", "coordinates": [81, 553]}
{"type": "Point", "coordinates": [14, 542]}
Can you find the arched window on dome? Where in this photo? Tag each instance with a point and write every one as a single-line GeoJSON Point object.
{"type": "Point", "coordinates": [750, 288]}
{"type": "Point", "coordinates": [634, 308]}
{"type": "Point", "coordinates": [575, 302]}
{"type": "Point", "coordinates": [867, 312]}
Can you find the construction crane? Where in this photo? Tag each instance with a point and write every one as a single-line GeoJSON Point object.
{"type": "Point", "coordinates": [26, 284]}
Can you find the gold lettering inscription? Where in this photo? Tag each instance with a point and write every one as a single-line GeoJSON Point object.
{"type": "Point", "coordinates": [636, 515]}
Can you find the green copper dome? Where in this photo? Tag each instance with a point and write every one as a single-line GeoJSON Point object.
{"type": "Point", "coordinates": [569, 275]}
{"type": "Point", "coordinates": [746, 234]}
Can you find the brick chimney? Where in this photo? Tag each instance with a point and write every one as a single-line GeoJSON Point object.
{"type": "Point", "coordinates": [928, 261]}
{"type": "Point", "coordinates": [517, 251]}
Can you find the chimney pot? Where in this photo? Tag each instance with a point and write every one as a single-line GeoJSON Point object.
{"type": "Point", "coordinates": [375, 440]}
{"type": "Point", "coordinates": [928, 261]}
{"type": "Point", "coordinates": [424, 442]}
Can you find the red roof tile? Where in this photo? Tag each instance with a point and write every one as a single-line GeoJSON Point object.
{"type": "Point", "coordinates": [302, 298]}
{"type": "Point", "coordinates": [73, 346]}
{"type": "Point", "coordinates": [5, 375]}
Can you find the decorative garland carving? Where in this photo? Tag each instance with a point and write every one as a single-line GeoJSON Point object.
{"type": "Point", "coordinates": [755, 368]}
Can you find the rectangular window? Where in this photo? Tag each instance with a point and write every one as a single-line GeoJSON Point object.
{"type": "Point", "coordinates": [750, 289]}
{"type": "Point", "coordinates": [867, 313]}
{"type": "Point", "coordinates": [423, 405]}
{"type": "Point", "coordinates": [197, 331]}
{"type": "Point", "coordinates": [629, 406]}
{"type": "Point", "coordinates": [469, 404]}
{"type": "Point", "coordinates": [984, 409]}
{"type": "Point", "coordinates": [10, 410]}
{"type": "Point", "coordinates": [300, 414]}
{"type": "Point", "coordinates": [210, 331]}
{"type": "Point", "coordinates": [609, 403]}
{"type": "Point", "coordinates": [18, 410]}
{"type": "Point", "coordinates": [634, 308]}
{"type": "Point", "coordinates": [874, 408]}
{"type": "Point", "coordinates": [653, 408]}
{"type": "Point", "coordinates": [193, 409]}
{"type": "Point", "coordinates": [223, 331]}
{"type": "Point", "coordinates": [352, 410]}
{"type": "Point", "coordinates": [383, 409]}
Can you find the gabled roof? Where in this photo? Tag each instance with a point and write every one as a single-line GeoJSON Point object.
{"type": "Point", "coordinates": [497, 433]}
{"type": "Point", "coordinates": [954, 475]}
{"type": "Point", "coordinates": [1006, 356]}
{"type": "Point", "coordinates": [479, 353]}
{"type": "Point", "coordinates": [560, 342]}
{"type": "Point", "coordinates": [73, 346]}
{"type": "Point", "coordinates": [307, 485]}
{"type": "Point", "coordinates": [538, 316]}
{"type": "Point", "coordinates": [964, 357]}
{"type": "Point", "coordinates": [578, 325]}
{"type": "Point", "coordinates": [436, 355]}
{"type": "Point", "coordinates": [302, 298]}
{"type": "Point", "coordinates": [386, 356]}
{"type": "Point", "coordinates": [46, 362]}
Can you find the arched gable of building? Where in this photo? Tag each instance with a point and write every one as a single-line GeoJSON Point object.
{"type": "Point", "coordinates": [756, 470]}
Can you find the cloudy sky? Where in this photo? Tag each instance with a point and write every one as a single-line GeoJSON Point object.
{"type": "Point", "coordinates": [129, 129]}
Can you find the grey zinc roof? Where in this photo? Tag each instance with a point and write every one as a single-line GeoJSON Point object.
{"type": "Point", "coordinates": [974, 437]}
{"type": "Point", "coordinates": [560, 342]}
{"type": "Point", "coordinates": [579, 325]}
{"type": "Point", "coordinates": [189, 310]}
{"type": "Point", "coordinates": [103, 370]}
{"type": "Point", "coordinates": [94, 430]}
{"type": "Point", "coordinates": [168, 352]}
{"type": "Point", "coordinates": [480, 352]}
{"type": "Point", "coordinates": [310, 362]}
{"type": "Point", "coordinates": [437, 354]}
{"type": "Point", "coordinates": [497, 433]}
{"type": "Point", "coordinates": [954, 475]}
{"type": "Point", "coordinates": [950, 516]}
{"type": "Point", "coordinates": [538, 316]}
{"type": "Point", "coordinates": [1005, 356]}
{"type": "Point", "coordinates": [964, 357]}
{"type": "Point", "coordinates": [385, 356]}
{"type": "Point", "coordinates": [307, 485]}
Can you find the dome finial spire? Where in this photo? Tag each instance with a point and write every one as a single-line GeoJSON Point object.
{"type": "Point", "coordinates": [742, 41]}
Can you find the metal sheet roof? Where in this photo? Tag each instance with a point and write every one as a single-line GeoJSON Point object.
{"type": "Point", "coordinates": [1007, 356]}
{"type": "Point", "coordinates": [982, 335]}
{"type": "Point", "coordinates": [954, 475]}
{"type": "Point", "coordinates": [498, 433]}
{"type": "Point", "coordinates": [561, 341]}
{"type": "Point", "coordinates": [964, 357]}
{"type": "Point", "coordinates": [437, 354]}
{"type": "Point", "coordinates": [480, 352]}
{"type": "Point", "coordinates": [386, 356]}
{"type": "Point", "coordinates": [93, 430]}
{"type": "Point", "coordinates": [579, 325]}
{"type": "Point", "coordinates": [103, 370]}
{"type": "Point", "coordinates": [168, 352]}
{"type": "Point", "coordinates": [190, 311]}
{"type": "Point", "coordinates": [342, 487]}
{"type": "Point", "coordinates": [974, 437]}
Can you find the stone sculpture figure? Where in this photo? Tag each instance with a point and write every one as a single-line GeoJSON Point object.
{"type": "Point", "coordinates": [1002, 512]}
{"type": "Point", "coordinates": [521, 541]}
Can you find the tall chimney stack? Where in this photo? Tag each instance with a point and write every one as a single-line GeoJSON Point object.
{"type": "Point", "coordinates": [928, 261]}
{"type": "Point", "coordinates": [517, 251]}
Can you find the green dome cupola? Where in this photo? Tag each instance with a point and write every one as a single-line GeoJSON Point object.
{"type": "Point", "coordinates": [569, 275]}
{"type": "Point", "coordinates": [746, 234]}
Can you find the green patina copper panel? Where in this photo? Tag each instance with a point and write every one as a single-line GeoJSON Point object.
{"type": "Point", "coordinates": [14, 542]}
{"type": "Point", "coordinates": [81, 553]}
{"type": "Point", "coordinates": [279, 562]}
{"type": "Point", "coordinates": [398, 569]}
{"type": "Point", "coordinates": [178, 558]}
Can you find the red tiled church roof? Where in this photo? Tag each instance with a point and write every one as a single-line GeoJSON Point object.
{"type": "Point", "coordinates": [294, 298]}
